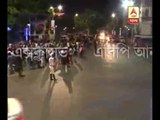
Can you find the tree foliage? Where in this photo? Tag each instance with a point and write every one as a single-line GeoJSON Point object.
{"type": "Point", "coordinates": [113, 24]}
{"type": "Point", "coordinates": [89, 20]}
{"type": "Point", "coordinates": [80, 22]}
{"type": "Point", "coordinates": [12, 13]}
{"type": "Point", "coordinates": [11, 20]}
{"type": "Point", "coordinates": [20, 10]}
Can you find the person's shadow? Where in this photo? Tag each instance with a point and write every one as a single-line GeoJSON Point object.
{"type": "Point", "coordinates": [45, 115]}
{"type": "Point", "coordinates": [44, 78]}
{"type": "Point", "coordinates": [68, 77]}
{"type": "Point", "coordinates": [78, 65]}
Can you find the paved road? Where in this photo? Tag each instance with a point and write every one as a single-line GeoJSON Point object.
{"type": "Point", "coordinates": [93, 89]}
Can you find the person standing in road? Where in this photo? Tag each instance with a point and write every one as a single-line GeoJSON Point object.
{"type": "Point", "coordinates": [95, 44]}
{"type": "Point", "coordinates": [52, 65]}
{"type": "Point", "coordinates": [10, 62]}
{"type": "Point", "coordinates": [19, 65]}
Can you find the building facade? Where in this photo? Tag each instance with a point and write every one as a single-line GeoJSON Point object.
{"type": "Point", "coordinates": [146, 17]}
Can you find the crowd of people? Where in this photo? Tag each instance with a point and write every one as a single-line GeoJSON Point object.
{"type": "Point", "coordinates": [38, 55]}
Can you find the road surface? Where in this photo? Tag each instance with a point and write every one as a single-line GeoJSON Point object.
{"type": "Point", "coordinates": [93, 89]}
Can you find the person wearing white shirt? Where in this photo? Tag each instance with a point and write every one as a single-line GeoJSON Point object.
{"type": "Point", "coordinates": [42, 59]}
{"type": "Point", "coordinates": [52, 64]}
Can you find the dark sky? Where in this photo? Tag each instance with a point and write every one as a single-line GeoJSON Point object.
{"type": "Point", "coordinates": [71, 7]}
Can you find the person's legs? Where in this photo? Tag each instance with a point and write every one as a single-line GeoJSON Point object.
{"type": "Point", "coordinates": [50, 68]}
{"type": "Point", "coordinates": [20, 73]}
{"type": "Point", "coordinates": [53, 75]}
{"type": "Point", "coordinates": [41, 63]}
{"type": "Point", "coordinates": [11, 70]}
{"type": "Point", "coordinates": [71, 59]}
{"type": "Point", "coordinates": [55, 80]}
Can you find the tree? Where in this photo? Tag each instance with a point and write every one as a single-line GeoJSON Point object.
{"type": "Point", "coordinates": [90, 20]}
{"type": "Point", "coordinates": [19, 11]}
{"type": "Point", "coordinates": [80, 22]}
{"type": "Point", "coordinates": [11, 20]}
{"type": "Point", "coordinates": [109, 27]}
{"type": "Point", "coordinates": [12, 13]}
{"type": "Point", "coordinates": [96, 22]}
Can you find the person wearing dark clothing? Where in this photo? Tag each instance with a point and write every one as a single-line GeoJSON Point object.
{"type": "Point", "coordinates": [19, 66]}
{"type": "Point", "coordinates": [10, 62]}
{"type": "Point", "coordinates": [95, 46]}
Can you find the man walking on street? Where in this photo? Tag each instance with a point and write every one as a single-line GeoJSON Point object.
{"type": "Point", "coordinates": [52, 65]}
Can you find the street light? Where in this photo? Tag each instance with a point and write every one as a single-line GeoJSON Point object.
{"type": "Point", "coordinates": [51, 8]}
{"type": "Point", "coordinates": [113, 15]}
{"type": "Point", "coordinates": [76, 15]}
{"type": "Point", "coordinates": [126, 3]}
{"type": "Point", "coordinates": [9, 29]}
{"type": "Point", "coordinates": [28, 24]}
{"type": "Point", "coordinates": [114, 21]}
{"type": "Point", "coordinates": [60, 7]}
{"type": "Point", "coordinates": [53, 13]}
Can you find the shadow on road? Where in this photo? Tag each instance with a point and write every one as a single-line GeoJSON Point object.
{"type": "Point", "coordinates": [45, 115]}
{"type": "Point", "coordinates": [78, 65]}
{"type": "Point", "coordinates": [68, 77]}
{"type": "Point", "coordinates": [44, 78]}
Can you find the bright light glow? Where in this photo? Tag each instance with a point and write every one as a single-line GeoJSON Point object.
{"type": "Point", "coordinates": [14, 107]}
{"type": "Point", "coordinates": [26, 33]}
{"type": "Point", "coordinates": [76, 15]}
{"type": "Point", "coordinates": [102, 36]}
{"type": "Point", "coordinates": [113, 15]}
{"type": "Point", "coordinates": [60, 7]}
{"type": "Point", "coordinates": [126, 3]}
{"type": "Point", "coordinates": [65, 28]}
{"type": "Point", "coordinates": [9, 29]}
{"type": "Point", "coordinates": [29, 25]}
{"type": "Point", "coordinates": [29, 29]}
{"type": "Point", "coordinates": [108, 55]}
{"type": "Point", "coordinates": [59, 14]}
{"type": "Point", "coordinates": [108, 39]}
{"type": "Point", "coordinates": [29, 32]}
{"type": "Point", "coordinates": [51, 8]}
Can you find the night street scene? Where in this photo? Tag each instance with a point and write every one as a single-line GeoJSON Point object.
{"type": "Point", "coordinates": [79, 60]}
